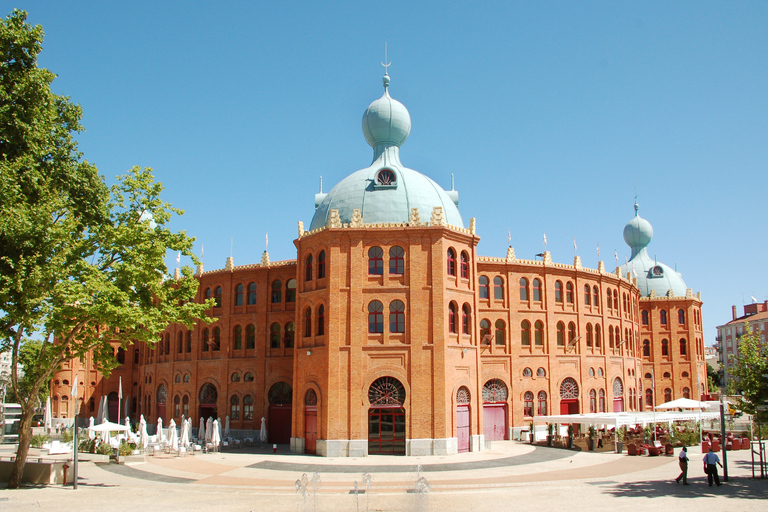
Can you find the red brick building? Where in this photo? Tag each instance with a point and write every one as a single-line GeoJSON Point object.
{"type": "Point", "coordinates": [390, 334]}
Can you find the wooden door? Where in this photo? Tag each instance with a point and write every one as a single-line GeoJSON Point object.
{"type": "Point", "coordinates": [462, 427]}
{"type": "Point", "coordinates": [495, 422]}
{"type": "Point", "coordinates": [279, 424]}
{"type": "Point", "coordinates": [310, 430]}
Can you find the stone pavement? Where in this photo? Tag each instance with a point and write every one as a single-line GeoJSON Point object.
{"type": "Point", "coordinates": [510, 476]}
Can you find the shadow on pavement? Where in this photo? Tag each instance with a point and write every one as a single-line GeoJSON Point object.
{"type": "Point", "coordinates": [743, 488]}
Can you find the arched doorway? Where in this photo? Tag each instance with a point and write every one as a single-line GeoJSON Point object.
{"type": "Point", "coordinates": [462, 419]}
{"type": "Point", "coordinates": [618, 395]}
{"type": "Point", "coordinates": [386, 417]}
{"type": "Point", "coordinates": [162, 399]}
{"type": "Point", "coordinates": [569, 397]}
{"type": "Point", "coordinates": [112, 401]}
{"type": "Point", "coordinates": [280, 406]}
{"type": "Point", "coordinates": [495, 410]}
{"type": "Point", "coordinates": [208, 399]}
{"type": "Point", "coordinates": [310, 422]}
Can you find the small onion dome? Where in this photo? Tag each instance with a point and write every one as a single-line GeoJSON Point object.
{"type": "Point", "coordinates": [386, 121]}
{"type": "Point", "coordinates": [638, 233]}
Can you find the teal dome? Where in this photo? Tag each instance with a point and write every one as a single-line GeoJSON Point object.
{"type": "Point", "coordinates": [386, 191]}
{"type": "Point", "coordinates": [650, 274]}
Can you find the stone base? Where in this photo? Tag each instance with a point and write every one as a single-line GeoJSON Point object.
{"type": "Point", "coordinates": [413, 447]}
{"type": "Point", "coordinates": [477, 443]}
{"type": "Point", "coordinates": [421, 447]}
{"type": "Point", "coordinates": [342, 448]}
{"type": "Point", "coordinates": [297, 445]}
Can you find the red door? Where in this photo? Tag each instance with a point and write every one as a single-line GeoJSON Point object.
{"type": "Point", "coordinates": [310, 430]}
{"type": "Point", "coordinates": [462, 427]}
{"type": "Point", "coordinates": [280, 424]}
{"type": "Point", "coordinates": [495, 422]}
{"type": "Point", "coordinates": [618, 405]}
{"type": "Point", "coordinates": [570, 406]}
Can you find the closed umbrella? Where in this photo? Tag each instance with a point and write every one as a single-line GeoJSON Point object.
{"type": "Point", "coordinates": [218, 427]}
{"type": "Point", "coordinates": [91, 423]}
{"type": "Point", "coordinates": [201, 431]}
{"type": "Point", "coordinates": [263, 430]}
{"type": "Point", "coordinates": [128, 422]}
{"type": "Point", "coordinates": [215, 437]}
{"type": "Point", "coordinates": [127, 407]}
{"type": "Point", "coordinates": [226, 426]}
{"type": "Point", "coordinates": [160, 436]}
{"type": "Point", "coordinates": [105, 417]}
{"type": "Point", "coordinates": [184, 433]}
{"type": "Point", "coordinates": [209, 429]}
{"type": "Point", "coordinates": [47, 415]}
{"type": "Point", "coordinates": [173, 438]}
{"type": "Point", "coordinates": [143, 436]}
{"type": "Point", "coordinates": [100, 414]}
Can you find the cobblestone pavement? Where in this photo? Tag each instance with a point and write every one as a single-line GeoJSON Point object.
{"type": "Point", "coordinates": [510, 476]}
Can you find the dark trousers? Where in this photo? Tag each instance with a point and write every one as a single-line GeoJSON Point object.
{"type": "Point", "coordinates": [712, 473]}
{"type": "Point", "coordinates": [683, 471]}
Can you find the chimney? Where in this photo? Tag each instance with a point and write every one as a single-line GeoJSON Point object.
{"type": "Point", "coordinates": [733, 310]}
{"type": "Point", "coordinates": [765, 305]}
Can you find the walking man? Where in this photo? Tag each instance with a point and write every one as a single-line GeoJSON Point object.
{"type": "Point", "coordinates": [711, 461]}
{"type": "Point", "coordinates": [683, 460]}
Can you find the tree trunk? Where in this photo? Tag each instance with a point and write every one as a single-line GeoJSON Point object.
{"type": "Point", "coordinates": [25, 436]}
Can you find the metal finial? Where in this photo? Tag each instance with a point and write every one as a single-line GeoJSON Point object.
{"type": "Point", "coordinates": [386, 60]}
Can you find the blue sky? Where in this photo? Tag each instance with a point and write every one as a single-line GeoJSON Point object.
{"type": "Point", "coordinates": [551, 116]}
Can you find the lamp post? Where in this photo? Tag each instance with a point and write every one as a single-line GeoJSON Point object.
{"type": "Point", "coordinates": [722, 435]}
{"type": "Point", "coordinates": [73, 393]}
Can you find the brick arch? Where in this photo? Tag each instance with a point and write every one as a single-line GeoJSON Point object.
{"type": "Point", "coordinates": [500, 376]}
{"type": "Point", "coordinates": [396, 373]}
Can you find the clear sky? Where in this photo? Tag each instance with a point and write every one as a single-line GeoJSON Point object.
{"type": "Point", "coordinates": [551, 116]}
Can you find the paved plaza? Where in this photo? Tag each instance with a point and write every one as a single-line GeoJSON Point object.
{"type": "Point", "coordinates": [510, 476]}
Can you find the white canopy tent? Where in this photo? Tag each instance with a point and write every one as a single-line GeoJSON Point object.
{"type": "Point", "coordinates": [684, 403]}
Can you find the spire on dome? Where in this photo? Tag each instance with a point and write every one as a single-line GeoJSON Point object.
{"type": "Point", "coordinates": [638, 232]}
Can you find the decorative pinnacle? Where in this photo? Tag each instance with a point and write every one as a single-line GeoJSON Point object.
{"type": "Point", "coordinates": [637, 207]}
{"type": "Point", "coordinates": [385, 80]}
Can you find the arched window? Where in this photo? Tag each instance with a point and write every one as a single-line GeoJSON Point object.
{"type": "Point", "coordinates": [558, 292]}
{"type": "Point", "coordinates": [610, 336]}
{"type": "Point", "coordinates": [569, 390]}
{"type": "Point", "coordinates": [177, 406]}
{"type": "Point", "coordinates": [206, 340]}
{"type": "Point", "coordinates": [464, 265]}
{"type": "Point", "coordinates": [250, 336]}
{"type": "Point", "coordinates": [683, 347]}
{"type": "Point", "coordinates": [541, 372]}
{"type": "Point", "coordinates": [536, 290]}
{"type": "Point", "coordinates": [498, 288]}
{"type": "Point", "coordinates": [121, 355]}
{"type": "Point", "coordinates": [237, 336]}
{"type": "Point", "coordinates": [451, 262]}
{"type": "Point", "coordinates": [569, 292]}
{"type": "Point", "coordinates": [494, 391]}
{"type": "Point", "coordinates": [452, 320]}
{"type": "Point", "coordinates": [234, 407]}
{"type": "Point", "coordinates": [602, 400]}
{"type": "Point", "coordinates": [523, 288]}
{"type": "Point", "coordinates": [216, 342]}
{"type": "Point", "coordinates": [589, 335]}
{"type": "Point", "coordinates": [560, 334]}
{"type": "Point", "coordinates": [649, 397]}
{"type": "Point", "coordinates": [527, 373]}
{"type": "Point", "coordinates": [290, 334]}
{"type": "Point", "coordinates": [592, 401]}
{"type": "Point", "coordinates": [177, 378]}
{"type": "Point", "coordinates": [663, 317]}
{"type": "Point", "coordinates": [247, 407]}
{"type": "Point", "coordinates": [396, 316]}
{"type": "Point", "coordinates": [538, 333]}
{"type": "Point", "coordinates": [616, 300]}
{"type": "Point", "coordinates": [618, 388]}
{"type": "Point", "coordinates": [239, 295]}
{"type": "Point", "coordinates": [525, 333]}
{"type": "Point", "coordinates": [396, 260]}
{"type": "Point", "coordinates": [598, 336]}
{"type": "Point", "coordinates": [667, 375]}
{"type": "Point", "coordinates": [248, 377]}
{"type": "Point", "coordinates": [571, 333]}
{"type": "Point", "coordinates": [596, 296]}
{"type": "Point", "coordinates": [321, 265]}
{"type": "Point", "coordinates": [681, 317]}
{"type": "Point", "coordinates": [501, 332]}
{"type": "Point", "coordinates": [608, 302]}
{"type": "Point", "coordinates": [235, 377]}
{"type": "Point", "coordinates": [542, 409]}
{"type": "Point", "coordinates": [591, 372]}
{"type": "Point", "coordinates": [375, 261]}
{"type": "Point", "coordinates": [189, 342]}
{"type": "Point", "coordinates": [587, 292]}
{"type": "Point", "coordinates": [686, 393]}
{"type": "Point", "coordinates": [308, 322]}
{"type": "Point", "coordinates": [310, 398]}
{"type": "Point", "coordinates": [485, 332]}
{"type": "Point", "coordinates": [386, 392]}
{"type": "Point", "coordinates": [217, 298]}
{"type": "Point", "coordinates": [180, 342]}
{"type": "Point", "coordinates": [274, 335]}
{"type": "Point", "coordinates": [252, 294]}
{"type": "Point", "coordinates": [290, 291]}
{"type": "Point", "coordinates": [277, 291]}
{"type": "Point", "coordinates": [664, 347]}
{"type": "Point", "coordinates": [321, 320]}
{"type": "Point", "coordinates": [375, 316]}
{"type": "Point", "coordinates": [484, 291]}
{"type": "Point", "coordinates": [528, 404]}
{"type": "Point", "coordinates": [208, 294]}
{"type": "Point", "coordinates": [646, 348]}
{"type": "Point", "coordinates": [644, 317]}
{"type": "Point", "coordinates": [599, 372]}
{"type": "Point", "coordinates": [465, 319]}
{"type": "Point", "coordinates": [667, 395]}
{"type": "Point", "coordinates": [308, 268]}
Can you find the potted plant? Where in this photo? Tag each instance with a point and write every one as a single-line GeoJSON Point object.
{"type": "Point", "coordinates": [533, 434]}
{"type": "Point", "coordinates": [591, 438]}
{"type": "Point", "coordinates": [570, 436]}
{"type": "Point", "coordinates": [647, 434]}
{"type": "Point", "coordinates": [550, 431]}
{"type": "Point", "coordinates": [620, 433]}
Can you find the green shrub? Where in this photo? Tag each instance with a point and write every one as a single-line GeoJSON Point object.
{"type": "Point", "coordinates": [104, 449]}
{"type": "Point", "coordinates": [66, 435]}
{"type": "Point", "coordinates": [126, 448]}
{"type": "Point", "coordinates": [38, 440]}
{"type": "Point", "coordinates": [87, 446]}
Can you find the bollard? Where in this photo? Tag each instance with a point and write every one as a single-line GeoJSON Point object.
{"type": "Point", "coordinates": [66, 467]}
{"type": "Point", "coordinates": [274, 448]}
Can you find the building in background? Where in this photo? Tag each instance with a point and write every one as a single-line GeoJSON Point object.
{"type": "Point", "coordinates": [728, 335]}
{"type": "Point", "coordinates": [389, 334]}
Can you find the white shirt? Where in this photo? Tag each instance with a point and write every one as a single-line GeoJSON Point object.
{"type": "Point", "coordinates": [683, 456]}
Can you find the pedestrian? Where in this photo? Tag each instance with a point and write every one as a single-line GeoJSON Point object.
{"type": "Point", "coordinates": [683, 460]}
{"type": "Point", "coordinates": [711, 461]}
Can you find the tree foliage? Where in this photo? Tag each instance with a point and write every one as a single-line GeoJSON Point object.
{"type": "Point", "coordinates": [747, 371]}
{"type": "Point", "coordinates": [81, 264]}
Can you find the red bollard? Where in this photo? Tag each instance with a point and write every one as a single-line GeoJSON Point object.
{"type": "Point", "coordinates": [66, 467]}
{"type": "Point", "coordinates": [274, 448]}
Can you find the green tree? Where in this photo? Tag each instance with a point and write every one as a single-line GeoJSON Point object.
{"type": "Point", "coordinates": [81, 264]}
{"type": "Point", "coordinates": [713, 378]}
{"type": "Point", "coordinates": [747, 371]}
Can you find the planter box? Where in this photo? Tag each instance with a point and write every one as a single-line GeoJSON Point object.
{"type": "Point", "coordinates": [47, 473]}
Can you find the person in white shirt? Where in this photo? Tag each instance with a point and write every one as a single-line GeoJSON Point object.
{"type": "Point", "coordinates": [683, 460]}
{"type": "Point", "coordinates": [711, 461]}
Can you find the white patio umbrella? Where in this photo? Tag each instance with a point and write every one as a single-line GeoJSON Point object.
{"type": "Point", "coordinates": [215, 437]}
{"type": "Point", "coordinates": [173, 438]}
{"type": "Point", "coordinates": [184, 433]}
{"type": "Point", "coordinates": [105, 418]}
{"type": "Point", "coordinates": [109, 427]}
{"type": "Point", "coordinates": [143, 436]}
{"type": "Point", "coordinates": [201, 430]}
{"type": "Point", "coordinates": [263, 430]}
{"type": "Point", "coordinates": [160, 436]}
{"type": "Point", "coordinates": [100, 414]}
{"type": "Point", "coordinates": [128, 422]}
{"type": "Point", "coordinates": [226, 426]}
{"type": "Point", "coordinates": [189, 430]}
{"type": "Point", "coordinates": [127, 408]}
{"type": "Point", "coordinates": [209, 429]}
{"type": "Point", "coordinates": [218, 427]}
{"type": "Point", "coordinates": [47, 415]}
{"type": "Point", "coordinates": [683, 403]}
{"type": "Point", "coordinates": [91, 423]}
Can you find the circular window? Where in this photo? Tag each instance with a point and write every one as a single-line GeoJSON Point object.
{"type": "Point", "coordinates": [386, 391]}
{"type": "Point", "coordinates": [386, 177]}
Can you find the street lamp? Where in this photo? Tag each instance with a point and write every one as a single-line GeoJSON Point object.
{"type": "Point", "coordinates": [73, 393]}
{"type": "Point", "coordinates": [722, 435]}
